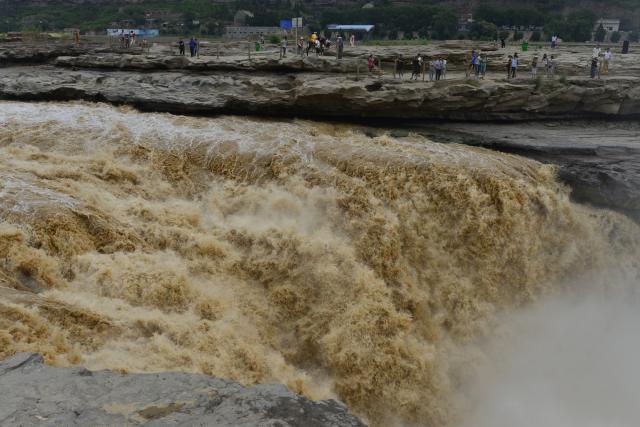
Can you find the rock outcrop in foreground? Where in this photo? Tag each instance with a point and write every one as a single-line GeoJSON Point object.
{"type": "Point", "coordinates": [37, 394]}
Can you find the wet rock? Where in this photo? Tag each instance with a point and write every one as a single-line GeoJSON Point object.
{"type": "Point", "coordinates": [599, 160]}
{"type": "Point", "coordinates": [37, 394]}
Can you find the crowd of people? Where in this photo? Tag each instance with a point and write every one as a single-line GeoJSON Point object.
{"type": "Point", "coordinates": [600, 66]}
{"type": "Point", "coordinates": [127, 39]}
{"type": "Point", "coordinates": [475, 63]}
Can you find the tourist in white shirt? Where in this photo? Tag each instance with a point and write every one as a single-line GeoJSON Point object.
{"type": "Point", "coordinates": [596, 51]}
{"type": "Point", "coordinates": [605, 63]}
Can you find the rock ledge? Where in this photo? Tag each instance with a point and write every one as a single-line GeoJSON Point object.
{"type": "Point", "coordinates": [36, 394]}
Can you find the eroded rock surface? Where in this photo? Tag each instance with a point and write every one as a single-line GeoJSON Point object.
{"type": "Point", "coordinates": [327, 95]}
{"type": "Point", "coordinates": [34, 394]}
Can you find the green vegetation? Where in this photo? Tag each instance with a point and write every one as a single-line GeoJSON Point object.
{"type": "Point", "coordinates": [575, 27]}
{"type": "Point", "coordinates": [59, 14]}
{"type": "Point", "coordinates": [615, 37]}
{"type": "Point", "coordinates": [563, 78]}
{"type": "Point", "coordinates": [572, 20]}
{"type": "Point", "coordinates": [483, 30]}
{"type": "Point", "coordinates": [274, 39]}
{"type": "Point", "coordinates": [601, 33]}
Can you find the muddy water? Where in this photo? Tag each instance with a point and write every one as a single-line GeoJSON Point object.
{"type": "Point", "coordinates": [309, 254]}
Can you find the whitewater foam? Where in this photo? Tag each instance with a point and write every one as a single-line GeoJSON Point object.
{"type": "Point", "coordinates": [289, 251]}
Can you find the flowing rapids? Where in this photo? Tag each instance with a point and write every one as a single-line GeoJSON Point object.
{"type": "Point", "coordinates": [309, 254]}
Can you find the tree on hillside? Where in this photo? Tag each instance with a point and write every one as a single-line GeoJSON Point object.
{"type": "Point", "coordinates": [601, 33]}
{"type": "Point", "coordinates": [445, 25]}
{"type": "Point", "coordinates": [575, 27]}
{"type": "Point", "coordinates": [483, 30]}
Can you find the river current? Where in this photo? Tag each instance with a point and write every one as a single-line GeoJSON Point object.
{"type": "Point", "coordinates": [420, 283]}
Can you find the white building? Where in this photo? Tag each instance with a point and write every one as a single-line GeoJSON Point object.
{"type": "Point", "coordinates": [610, 25]}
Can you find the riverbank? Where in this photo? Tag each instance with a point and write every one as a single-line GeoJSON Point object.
{"type": "Point", "coordinates": [239, 82]}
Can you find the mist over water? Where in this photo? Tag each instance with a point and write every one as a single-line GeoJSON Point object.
{"type": "Point", "coordinates": [569, 361]}
{"type": "Point", "coordinates": [368, 269]}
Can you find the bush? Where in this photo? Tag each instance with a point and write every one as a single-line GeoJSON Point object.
{"type": "Point", "coordinates": [576, 27]}
{"type": "Point", "coordinates": [517, 35]}
{"type": "Point", "coordinates": [445, 25]}
{"type": "Point", "coordinates": [504, 34]}
{"type": "Point", "coordinates": [563, 78]}
{"type": "Point", "coordinates": [483, 30]}
{"type": "Point", "coordinates": [536, 36]}
{"type": "Point", "coordinates": [615, 37]}
{"type": "Point", "coordinates": [274, 39]}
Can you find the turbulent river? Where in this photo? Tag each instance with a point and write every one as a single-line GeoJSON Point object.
{"type": "Point", "coordinates": [421, 283]}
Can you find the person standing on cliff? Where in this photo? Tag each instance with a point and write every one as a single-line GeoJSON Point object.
{"type": "Point", "coordinates": [605, 63]}
{"type": "Point", "coordinates": [514, 65]}
{"type": "Point", "coordinates": [340, 47]}
{"type": "Point", "coordinates": [473, 63]}
{"type": "Point", "coordinates": [285, 44]}
{"type": "Point", "coordinates": [192, 47]}
{"type": "Point", "coordinates": [400, 67]}
{"type": "Point", "coordinates": [415, 72]}
{"type": "Point", "coordinates": [432, 69]}
{"type": "Point", "coordinates": [301, 46]}
{"type": "Point", "coordinates": [439, 65]}
{"type": "Point", "coordinates": [371, 63]}
{"type": "Point", "coordinates": [551, 69]}
{"type": "Point", "coordinates": [352, 40]}
{"type": "Point", "coordinates": [594, 67]}
{"type": "Point", "coordinates": [483, 65]}
{"type": "Point", "coordinates": [312, 42]}
{"type": "Point", "coordinates": [181, 47]}
{"type": "Point", "coordinates": [534, 67]}
{"type": "Point", "coordinates": [503, 43]}
{"type": "Point", "coordinates": [509, 66]}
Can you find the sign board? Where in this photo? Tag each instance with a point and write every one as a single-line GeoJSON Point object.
{"type": "Point", "coordinates": [285, 24]}
{"type": "Point", "coordinates": [296, 22]}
